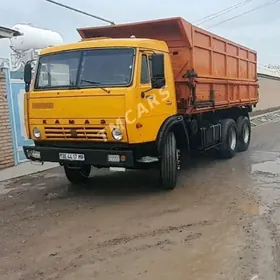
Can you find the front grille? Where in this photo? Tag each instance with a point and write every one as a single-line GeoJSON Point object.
{"type": "Point", "coordinates": [93, 133]}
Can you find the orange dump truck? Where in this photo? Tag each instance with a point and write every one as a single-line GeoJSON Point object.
{"type": "Point", "coordinates": [168, 88]}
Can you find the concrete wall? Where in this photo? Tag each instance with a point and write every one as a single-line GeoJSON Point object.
{"type": "Point", "coordinates": [6, 143]}
{"type": "Point", "coordinates": [269, 93]}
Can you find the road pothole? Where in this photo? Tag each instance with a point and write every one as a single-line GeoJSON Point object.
{"type": "Point", "coordinates": [270, 168]}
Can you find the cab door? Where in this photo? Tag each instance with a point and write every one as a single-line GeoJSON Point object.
{"type": "Point", "coordinates": [153, 106]}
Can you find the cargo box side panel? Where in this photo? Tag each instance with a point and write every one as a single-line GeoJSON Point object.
{"type": "Point", "coordinates": [227, 72]}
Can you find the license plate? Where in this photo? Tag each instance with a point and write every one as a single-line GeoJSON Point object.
{"type": "Point", "coordinates": [71, 157]}
{"type": "Point", "coordinates": [114, 158]}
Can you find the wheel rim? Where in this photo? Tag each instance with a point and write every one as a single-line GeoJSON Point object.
{"type": "Point", "coordinates": [232, 139]}
{"type": "Point", "coordinates": [246, 133]}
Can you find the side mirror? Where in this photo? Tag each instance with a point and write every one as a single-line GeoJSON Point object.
{"type": "Point", "coordinates": [27, 75]}
{"type": "Point", "coordinates": [158, 76]}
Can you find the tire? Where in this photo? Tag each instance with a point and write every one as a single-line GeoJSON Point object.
{"type": "Point", "coordinates": [228, 147]}
{"type": "Point", "coordinates": [168, 163]}
{"type": "Point", "coordinates": [244, 133]}
{"type": "Point", "coordinates": [77, 176]}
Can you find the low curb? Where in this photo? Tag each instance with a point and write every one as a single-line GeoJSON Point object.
{"type": "Point", "coordinates": [265, 118]}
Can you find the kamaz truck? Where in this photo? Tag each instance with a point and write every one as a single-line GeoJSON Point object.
{"type": "Point", "coordinates": [139, 95]}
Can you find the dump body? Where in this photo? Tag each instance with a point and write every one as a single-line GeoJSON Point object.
{"type": "Point", "coordinates": [226, 72]}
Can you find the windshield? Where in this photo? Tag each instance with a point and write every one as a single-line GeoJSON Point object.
{"type": "Point", "coordinates": [86, 68]}
{"type": "Point", "coordinates": [58, 70]}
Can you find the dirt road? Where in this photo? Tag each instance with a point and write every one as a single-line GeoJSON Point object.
{"type": "Point", "coordinates": [222, 222]}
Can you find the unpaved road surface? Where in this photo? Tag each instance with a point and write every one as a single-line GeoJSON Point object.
{"type": "Point", "coordinates": [221, 222]}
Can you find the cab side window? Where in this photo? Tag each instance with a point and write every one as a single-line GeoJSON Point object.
{"type": "Point", "coordinates": [145, 76]}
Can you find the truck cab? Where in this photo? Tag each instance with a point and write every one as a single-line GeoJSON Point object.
{"type": "Point", "coordinates": [99, 103]}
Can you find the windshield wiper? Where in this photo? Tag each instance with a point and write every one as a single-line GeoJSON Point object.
{"type": "Point", "coordinates": [96, 83]}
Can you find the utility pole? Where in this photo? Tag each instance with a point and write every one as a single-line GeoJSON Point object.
{"type": "Point", "coordinates": [79, 11]}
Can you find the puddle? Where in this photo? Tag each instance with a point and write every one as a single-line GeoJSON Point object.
{"type": "Point", "coordinates": [269, 168]}
{"type": "Point", "coordinates": [267, 176]}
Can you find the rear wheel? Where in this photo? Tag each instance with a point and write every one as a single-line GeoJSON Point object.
{"type": "Point", "coordinates": [77, 176]}
{"type": "Point", "coordinates": [228, 147]}
{"type": "Point", "coordinates": [244, 133]}
{"type": "Point", "coordinates": [169, 163]}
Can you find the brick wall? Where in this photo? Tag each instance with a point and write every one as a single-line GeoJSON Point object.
{"type": "Point", "coordinates": [6, 144]}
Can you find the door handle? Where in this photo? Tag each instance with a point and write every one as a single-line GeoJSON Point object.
{"type": "Point", "coordinates": [168, 102]}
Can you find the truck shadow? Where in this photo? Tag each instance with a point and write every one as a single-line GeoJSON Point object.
{"type": "Point", "coordinates": [105, 183]}
{"type": "Point", "coordinates": [134, 182]}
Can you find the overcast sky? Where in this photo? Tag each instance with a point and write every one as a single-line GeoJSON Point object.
{"type": "Point", "coordinates": [258, 30]}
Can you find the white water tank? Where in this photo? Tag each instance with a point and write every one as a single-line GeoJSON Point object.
{"type": "Point", "coordinates": [34, 38]}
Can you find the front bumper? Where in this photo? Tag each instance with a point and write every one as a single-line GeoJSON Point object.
{"type": "Point", "coordinates": [95, 157]}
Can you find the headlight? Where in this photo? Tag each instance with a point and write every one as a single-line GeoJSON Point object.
{"type": "Point", "coordinates": [117, 134]}
{"type": "Point", "coordinates": [36, 132]}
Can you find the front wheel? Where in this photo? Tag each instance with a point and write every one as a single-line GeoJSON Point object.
{"type": "Point", "coordinates": [77, 176]}
{"type": "Point", "coordinates": [169, 163]}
